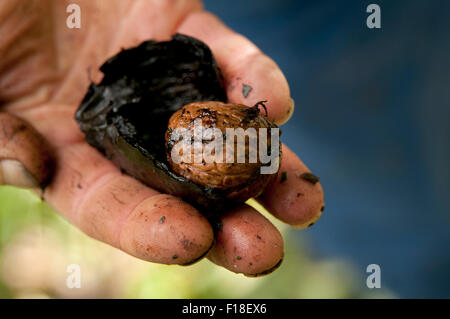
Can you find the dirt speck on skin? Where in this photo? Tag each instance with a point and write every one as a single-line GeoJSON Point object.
{"type": "Point", "coordinates": [283, 177]}
{"type": "Point", "coordinates": [246, 90]}
{"type": "Point", "coordinates": [175, 256]}
{"type": "Point", "coordinates": [313, 179]}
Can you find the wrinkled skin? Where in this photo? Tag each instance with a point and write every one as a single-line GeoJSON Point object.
{"type": "Point", "coordinates": [45, 69]}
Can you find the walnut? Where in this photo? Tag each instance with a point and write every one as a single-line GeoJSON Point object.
{"type": "Point", "coordinates": [241, 179]}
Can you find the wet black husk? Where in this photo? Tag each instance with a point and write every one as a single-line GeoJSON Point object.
{"type": "Point", "coordinates": [125, 116]}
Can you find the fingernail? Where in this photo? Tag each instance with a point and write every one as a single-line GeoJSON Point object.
{"type": "Point", "coordinates": [13, 173]}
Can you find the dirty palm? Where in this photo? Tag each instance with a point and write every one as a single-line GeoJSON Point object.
{"type": "Point", "coordinates": [42, 146]}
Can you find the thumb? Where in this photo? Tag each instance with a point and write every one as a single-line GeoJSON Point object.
{"type": "Point", "coordinates": [25, 156]}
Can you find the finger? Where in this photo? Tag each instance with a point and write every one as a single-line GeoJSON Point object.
{"type": "Point", "coordinates": [247, 243]}
{"type": "Point", "coordinates": [119, 210]}
{"type": "Point", "coordinates": [295, 196]}
{"type": "Point", "coordinates": [250, 76]}
{"type": "Point", "coordinates": [25, 156]}
{"type": "Point", "coordinates": [152, 19]}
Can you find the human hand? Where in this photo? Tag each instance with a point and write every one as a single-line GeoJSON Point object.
{"type": "Point", "coordinates": [43, 77]}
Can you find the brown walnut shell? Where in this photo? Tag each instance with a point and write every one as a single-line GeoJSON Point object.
{"type": "Point", "coordinates": [242, 180]}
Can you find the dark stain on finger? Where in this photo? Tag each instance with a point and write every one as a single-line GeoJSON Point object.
{"type": "Point", "coordinates": [246, 90]}
{"type": "Point", "coordinates": [187, 244]}
{"type": "Point", "coordinates": [283, 177]}
{"type": "Point", "coordinates": [313, 179]}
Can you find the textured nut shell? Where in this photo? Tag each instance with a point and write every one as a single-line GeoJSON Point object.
{"type": "Point", "coordinates": [244, 179]}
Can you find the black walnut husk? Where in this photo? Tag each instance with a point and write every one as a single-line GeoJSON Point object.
{"type": "Point", "coordinates": [125, 116]}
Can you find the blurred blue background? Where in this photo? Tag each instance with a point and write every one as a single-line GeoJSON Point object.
{"type": "Point", "coordinates": [372, 120]}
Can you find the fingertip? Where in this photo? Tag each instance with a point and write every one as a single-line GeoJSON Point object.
{"type": "Point", "coordinates": [166, 230]}
{"type": "Point", "coordinates": [316, 214]}
{"type": "Point", "coordinates": [295, 197]}
{"type": "Point", "coordinates": [247, 243]}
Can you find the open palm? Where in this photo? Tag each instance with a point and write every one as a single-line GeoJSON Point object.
{"type": "Point", "coordinates": [45, 69]}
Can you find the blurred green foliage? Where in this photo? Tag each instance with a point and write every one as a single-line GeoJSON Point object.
{"type": "Point", "coordinates": [37, 245]}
